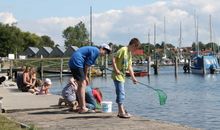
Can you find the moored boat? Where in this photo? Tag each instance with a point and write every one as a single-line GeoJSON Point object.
{"type": "Point", "coordinates": [205, 64]}
{"type": "Point", "coordinates": [139, 73]}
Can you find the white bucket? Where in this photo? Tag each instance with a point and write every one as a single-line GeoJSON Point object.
{"type": "Point", "coordinates": [106, 106]}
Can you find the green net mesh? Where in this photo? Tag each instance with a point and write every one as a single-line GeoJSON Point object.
{"type": "Point", "coordinates": [162, 96]}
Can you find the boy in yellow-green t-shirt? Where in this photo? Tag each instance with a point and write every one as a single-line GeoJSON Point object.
{"type": "Point", "coordinates": [122, 62]}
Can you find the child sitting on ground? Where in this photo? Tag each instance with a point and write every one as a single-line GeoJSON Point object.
{"type": "Point", "coordinates": [69, 95]}
{"type": "Point", "coordinates": [45, 87]}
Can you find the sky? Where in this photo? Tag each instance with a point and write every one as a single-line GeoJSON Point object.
{"type": "Point", "coordinates": [118, 21]}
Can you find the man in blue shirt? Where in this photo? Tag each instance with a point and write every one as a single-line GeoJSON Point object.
{"type": "Point", "coordinates": [79, 63]}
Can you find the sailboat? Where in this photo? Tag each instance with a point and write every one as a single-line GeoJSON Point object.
{"type": "Point", "coordinates": [204, 64]}
{"type": "Point", "coordinates": [165, 60]}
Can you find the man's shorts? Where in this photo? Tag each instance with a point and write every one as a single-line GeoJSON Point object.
{"type": "Point", "coordinates": [78, 74]}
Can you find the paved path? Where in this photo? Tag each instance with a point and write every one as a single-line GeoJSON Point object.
{"type": "Point", "coordinates": [15, 100]}
{"type": "Point", "coordinates": [43, 112]}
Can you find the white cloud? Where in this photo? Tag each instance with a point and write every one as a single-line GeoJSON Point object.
{"type": "Point", "coordinates": [119, 26]}
{"type": "Point", "coordinates": [7, 18]}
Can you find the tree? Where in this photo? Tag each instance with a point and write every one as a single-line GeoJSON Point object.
{"type": "Point", "coordinates": [31, 40]}
{"type": "Point", "coordinates": [76, 36]}
{"type": "Point", "coordinates": [13, 40]}
{"type": "Point", "coordinates": [46, 41]}
{"type": "Point", "coordinates": [10, 39]}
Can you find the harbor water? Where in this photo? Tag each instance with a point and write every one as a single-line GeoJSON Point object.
{"type": "Point", "coordinates": [193, 100]}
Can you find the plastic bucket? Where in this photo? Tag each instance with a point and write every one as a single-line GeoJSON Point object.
{"type": "Point", "coordinates": [106, 106]}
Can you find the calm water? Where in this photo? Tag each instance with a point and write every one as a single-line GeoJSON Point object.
{"type": "Point", "coordinates": [193, 100]}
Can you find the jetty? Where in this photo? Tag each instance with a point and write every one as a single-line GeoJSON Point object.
{"type": "Point", "coordinates": [43, 112]}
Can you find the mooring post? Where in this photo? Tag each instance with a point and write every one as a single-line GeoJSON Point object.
{"type": "Point", "coordinates": [11, 68]}
{"type": "Point", "coordinates": [106, 64]}
{"type": "Point", "coordinates": [176, 65]}
{"type": "Point", "coordinates": [41, 70]}
{"type": "Point", "coordinates": [156, 67]}
{"type": "Point", "coordinates": [148, 65]}
{"type": "Point", "coordinates": [61, 68]}
{"type": "Point", "coordinates": [203, 65]}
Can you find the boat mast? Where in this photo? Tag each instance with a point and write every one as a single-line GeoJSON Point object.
{"type": "Point", "coordinates": [154, 43]}
{"type": "Point", "coordinates": [164, 46]}
{"type": "Point", "coordinates": [90, 39]}
{"type": "Point", "coordinates": [210, 30]}
{"type": "Point", "coordinates": [148, 37]}
{"type": "Point", "coordinates": [180, 41]}
{"type": "Point", "coordinates": [196, 32]}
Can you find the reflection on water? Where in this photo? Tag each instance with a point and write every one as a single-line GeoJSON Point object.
{"type": "Point", "coordinates": [193, 100]}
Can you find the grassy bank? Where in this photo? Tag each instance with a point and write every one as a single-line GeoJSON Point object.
{"type": "Point", "coordinates": [6, 124]}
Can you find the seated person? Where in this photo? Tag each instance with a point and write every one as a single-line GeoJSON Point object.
{"type": "Point", "coordinates": [93, 98]}
{"type": "Point", "coordinates": [69, 94]}
{"type": "Point", "coordinates": [27, 83]}
{"type": "Point", "coordinates": [35, 82]}
{"type": "Point", "coordinates": [19, 78]}
{"type": "Point", "coordinates": [45, 87]}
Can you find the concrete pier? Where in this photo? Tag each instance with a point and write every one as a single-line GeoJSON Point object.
{"type": "Point", "coordinates": [43, 112]}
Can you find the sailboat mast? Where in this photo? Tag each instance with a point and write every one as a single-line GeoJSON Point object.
{"type": "Point", "coordinates": [155, 43]}
{"type": "Point", "coordinates": [148, 37]}
{"type": "Point", "coordinates": [164, 47]}
{"type": "Point", "coordinates": [196, 32]}
{"type": "Point", "coordinates": [180, 42]}
{"type": "Point", "coordinates": [90, 39]}
{"type": "Point", "coordinates": [210, 30]}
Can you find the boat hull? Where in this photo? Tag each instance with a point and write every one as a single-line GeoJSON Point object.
{"type": "Point", "coordinates": [138, 74]}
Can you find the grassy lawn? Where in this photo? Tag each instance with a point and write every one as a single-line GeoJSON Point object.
{"type": "Point", "coordinates": [6, 124]}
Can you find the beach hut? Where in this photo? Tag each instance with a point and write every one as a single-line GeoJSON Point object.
{"type": "Point", "coordinates": [44, 52]}
{"type": "Point", "coordinates": [69, 51]}
{"type": "Point", "coordinates": [30, 52]}
{"type": "Point", "coordinates": [58, 51]}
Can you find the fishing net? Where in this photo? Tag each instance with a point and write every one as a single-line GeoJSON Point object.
{"type": "Point", "coordinates": [162, 96]}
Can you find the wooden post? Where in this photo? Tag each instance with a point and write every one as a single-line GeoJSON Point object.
{"type": "Point", "coordinates": [203, 65]}
{"type": "Point", "coordinates": [41, 70]}
{"type": "Point", "coordinates": [11, 68]}
{"type": "Point", "coordinates": [148, 65]}
{"type": "Point", "coordinates": [189, 63]}
{"type": "Point", "coordinates": [61, 68]}
{"type": "Point", "coordinates": [156, 67]}
{"type": "Point", "coordinates": [176, 65]}
{"type": "Point", "coordinates": [102, 64]}
{"type": "Point", "coordinates": [106, 64]}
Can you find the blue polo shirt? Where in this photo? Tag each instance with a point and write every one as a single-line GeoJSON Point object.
{"type": "Point", "coordinates": [86, 55]}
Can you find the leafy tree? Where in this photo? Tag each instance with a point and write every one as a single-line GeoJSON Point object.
{"type": "Point", "coordinates": [13, 40]}
{"type": "Point", "coordinates": [76, 36]}
{"type": "Point", "coordinates": [31, 40]}
{"type": "Point", "coordinates": [10, 39]}
{"type": "Point", "coordinates": [46, 41]}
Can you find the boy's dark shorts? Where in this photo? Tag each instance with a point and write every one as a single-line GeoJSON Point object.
{"type": "Point", "coordinates": [78, 74]}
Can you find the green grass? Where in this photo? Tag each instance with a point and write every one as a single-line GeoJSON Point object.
{"type": "Point", "coordinates": [6, 124]}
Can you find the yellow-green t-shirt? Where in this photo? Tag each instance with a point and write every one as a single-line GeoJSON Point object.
{"type": "Point", "coordinates": [123, 59]}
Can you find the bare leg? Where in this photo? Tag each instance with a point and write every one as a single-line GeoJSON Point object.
{"type": "Point", "coordinates": [81, 94]}
{"type": "Point", "coordinates": [121, 109]}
